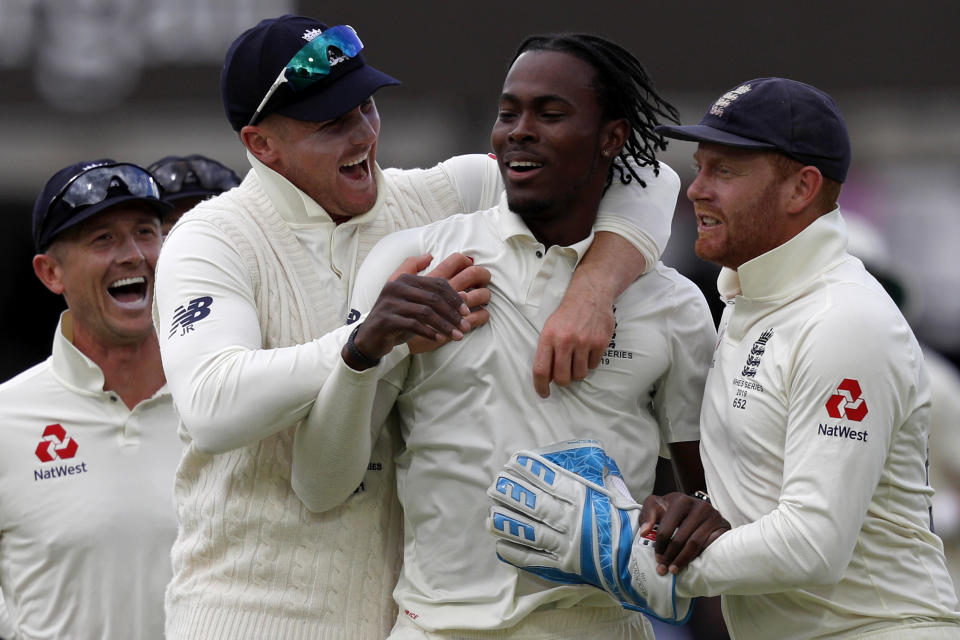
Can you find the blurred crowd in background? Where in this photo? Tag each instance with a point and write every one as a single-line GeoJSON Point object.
{"type": "Point", "coordinates": [137, 81]}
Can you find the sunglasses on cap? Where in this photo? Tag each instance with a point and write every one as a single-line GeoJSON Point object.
{"type": "Point", "coordinates": [312, 62]}
{"type": "Point", "coordinates": [84, 193]}
{"type": "Point", "coordinates": [94, 185]}
{"type": "Point", "coordinates": [192, 173]}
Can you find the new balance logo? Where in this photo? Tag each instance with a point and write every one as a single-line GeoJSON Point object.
{"type": "Point", "coordinates": [513, 527]}
{"type": "Point", "coordinates": [846, 402]}
{"type": "Point", "coordinates": [517, 492]}
{"type": "Point", "coordinates": [538, 469]}
{"type": "Point", "coordinates": [185, 317]}
{"type": "Point", "coordinates": [56, 444]}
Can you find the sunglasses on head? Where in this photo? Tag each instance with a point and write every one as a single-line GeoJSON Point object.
{"type": "Point", "coordinates": [314, 61]}
{"type": "Point", "coordinates": [191, 173]}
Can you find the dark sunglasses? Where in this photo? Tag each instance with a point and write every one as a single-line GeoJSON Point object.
{"type": "Point", "coordinates": [94, 185]}
{"type": "Point", "coordinates": [313, 61]}
{"type": "Point", "coordinates": [192, 173]}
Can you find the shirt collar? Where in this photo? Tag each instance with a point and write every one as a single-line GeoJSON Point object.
{"type": "Point", "coordinates": [510, 225]}
{"type": "Point", "coordinates": [295, 206]}
{"type": "Point", "coordinates": [73, 368]}
{"type": "Point", "coordinates": [69, 364]}
{"type": "Point", "coordinates": [790, 266]}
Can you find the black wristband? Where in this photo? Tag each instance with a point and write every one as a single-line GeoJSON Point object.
{"type": "Point", "coordinates": [355, 353]}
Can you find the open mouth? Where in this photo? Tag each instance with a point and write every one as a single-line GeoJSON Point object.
{"type": "Point", "coordinates": [131, 289]}
{"type": "Point", "coordinates": [708, 221]}
{"type": "Point", "coordinates": [356, 170]}
{"type": "Point", "coordinates": [523, 166]}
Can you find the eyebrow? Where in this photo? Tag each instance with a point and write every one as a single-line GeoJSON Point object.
{"type": "Point", "coordinates": [537, 101]}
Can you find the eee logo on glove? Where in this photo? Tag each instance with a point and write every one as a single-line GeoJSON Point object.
{"type": "Point", "coordinates": [564, 513]}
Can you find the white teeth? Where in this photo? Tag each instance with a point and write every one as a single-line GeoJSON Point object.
{"type": "Point", "coordinates": [357, 161]}
{"type": "Point", "coordinates": [524, 163]}
{"type": "Point", "coordinates": [708, 221]}
{"type": "Point", "coordinates": [125, 281]}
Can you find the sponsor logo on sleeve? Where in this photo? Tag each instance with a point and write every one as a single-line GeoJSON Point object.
{"type": "Point", "coordinates": [57, 445]}
{"type": "Point", "coordinates": [185, 316]}
{"type": "Point", "coordinates": [353, 316]}
{"type": "Point", "coordinates": [846, 404]}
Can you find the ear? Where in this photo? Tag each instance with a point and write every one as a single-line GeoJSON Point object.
{"type": "Point", "coordinates": [261, 141]}
{"type": "Point", "coordinates": [49, 271]}
{"type": "Point", "coordinates": [613, 136]}
{"type": "Point", "coordinates": [805, 186]}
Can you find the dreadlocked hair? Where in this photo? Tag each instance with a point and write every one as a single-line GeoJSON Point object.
{"type": "Point", "coordinates": [624, 90]}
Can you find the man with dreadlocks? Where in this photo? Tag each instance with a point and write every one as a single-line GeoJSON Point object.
{"type": "Point", "coordinates": [575, 113]}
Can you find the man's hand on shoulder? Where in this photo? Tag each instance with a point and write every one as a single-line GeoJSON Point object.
{"type": "Point", "coordinates": [470, 281]}
{"type": "Point", "coordinates": [573, 340]}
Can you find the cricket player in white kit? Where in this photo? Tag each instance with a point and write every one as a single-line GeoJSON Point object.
{"type": "Point", "coordinates": [252, 286]}
{"type": "Point", "coordinates": [88, 445]}
{"type": "Point", "coordinates": [465, 405]}
{"type": "Point", "coordinates": [816, 412]}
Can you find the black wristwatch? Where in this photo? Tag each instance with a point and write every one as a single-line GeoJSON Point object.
{"type": "Point", "coordinates": [355, 353]}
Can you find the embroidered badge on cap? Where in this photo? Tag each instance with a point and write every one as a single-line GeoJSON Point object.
{"type": "Point", "coordinates": [727, 99]}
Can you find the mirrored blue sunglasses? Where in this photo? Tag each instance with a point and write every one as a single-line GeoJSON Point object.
{"type": "Point", "coordinates": [314, 61]}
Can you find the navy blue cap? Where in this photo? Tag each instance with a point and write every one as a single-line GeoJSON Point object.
{"type": "Point", "coordinates": [57, 209]}
{"type": "Point", "coordinates": [257, 57]}
{"type": "Point", "coordinates": [784, 115]}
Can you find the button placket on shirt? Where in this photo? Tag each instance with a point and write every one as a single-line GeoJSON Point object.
{"type": "Point", "coordinates": [126, 419]}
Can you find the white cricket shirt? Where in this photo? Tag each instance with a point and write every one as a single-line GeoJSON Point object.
{"type": "Point", "coordinates": [467, 406]}
{"type": "Point", "coordinates": [814, 443]}
{"type": "Point", "coordinates": [86, 502]}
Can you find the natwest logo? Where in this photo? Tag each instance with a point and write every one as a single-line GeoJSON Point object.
{"type": "Point", "coordinates": [846, 402]}
{"type": "Point", "coordinates": [56, 444]}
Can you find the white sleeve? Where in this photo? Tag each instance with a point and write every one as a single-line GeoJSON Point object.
{"type": "Point", "coordinates": [229, 390]}
{"type": "Point", "coordinates": [476, 178]}
{"type": "Point", "coordinates": [332, 447]}
{"type": "Point", "coordinates": [641, 215]}
{"type": "Point", "coordinates": [828, 483]}
{"type": "Point", "coordinates": [679, 394]}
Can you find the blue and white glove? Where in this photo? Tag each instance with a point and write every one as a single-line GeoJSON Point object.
{"type": "Point", "coordinates": [563, 513]}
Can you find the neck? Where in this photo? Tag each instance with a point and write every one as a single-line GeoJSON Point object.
{"type": "Point", "coordinates": [561, 228]}
{"type": "Point", "coordinates": [133, 371]}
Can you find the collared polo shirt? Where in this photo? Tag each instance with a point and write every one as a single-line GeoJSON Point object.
{"type": "Point", "coordinates": [86, 501]}
{"type": "Point", "coordinates": [465, 407]}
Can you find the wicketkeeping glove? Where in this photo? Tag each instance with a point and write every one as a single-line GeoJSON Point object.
{"type": "Point", "coordinates": [563, 512]}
